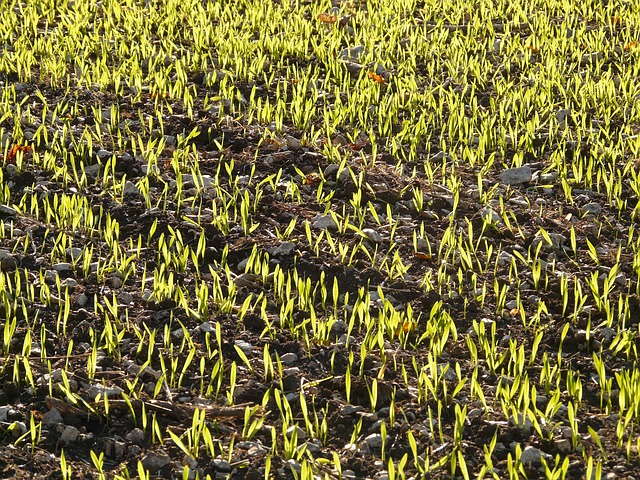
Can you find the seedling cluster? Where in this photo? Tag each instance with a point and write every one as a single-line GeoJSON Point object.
{"type": "Point", "coordinates": [319, 240]}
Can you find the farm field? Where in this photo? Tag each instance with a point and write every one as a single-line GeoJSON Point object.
{"type": "Point", "coordinates": [319, 240]}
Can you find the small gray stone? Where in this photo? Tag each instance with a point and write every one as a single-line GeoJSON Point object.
{"type": "Point", "coordinates": [131, 450]}
{"type": "Point", "coordinates": [295, 429]}
{"type": "Point", "coordinates": [92, 171]}
{"type": "Point", "coordinates": [533, 456]}
{"type": "Point", "coordinates": [353, 53]}
{"type": "Point", "coordinates": [533, 300]}
{"type": "Point", "coordinates": [294, 465]}
{"type": "Point", "coordinates": [516, 176]}
{"type": "Point", "coordinates": [125, 298]}
{"type": "Point", "coordinates": [50, 276]}
{"type": "Point", "coordinates": [580, 336]}
{"type": "Point", "coordinates": [130, 189]}
{"type": "Point", "coordinates": [82, 300]}
{"type": "Point", "coordinates": [7, 211]}
{"type": "Point", "coordinates": [256, 451]}
{"type": "Point", "coordinates": [563, 445]}
{"type": "Point", "coordinates": [52, 417]}
{"type": "Point", "coordinates": [562, 116]}
{"type": "Point", "coordinates": [18, 429]}
{"type": "Point", "coordinates": [350, 410]}
{"type": "Point", "coordinates": [284, 249]}
{"type": "Point", "coordinates": [324, 222]}
{"type": "Point", "coordinates": [62, 267]}
{"type": "Point", "coordinates": [344, 338]}
{"type": "Point", "coordinates": [592, 58]}
{"type": "Point", "coordinates": [102, 390]}
{"type": "Point", "coordinates": [490, 215]}
{"type": "Point", "coordinates": [591, 208]}
{"type": "Point", "coordinates": [339, 327]}
{"type": "Point", "coordinates": [372, 235]}
{"type": "Point", "coordinates": [292, 142]}
{"type": "Point", "coordinates": [74, 252]}
{"type": "Point", "coordinates": [504, 258]}
{"type": "Point", "coordinates": [207, 327]}
{"type": "Point", "coordinates": [154, 462]}
{"type": "Point", "coordinates": [221, 465]}
{"type": "Point", "coordinates": [608, 334]}
{"type": "Point", "coordinates": [70, 434]}
{"type": "Point", "coordinates": [242, 266]}
{"type": "Point", "coordinates": [135, 436]}
{"type": "Point", "coordinates": [170, 140]}
{"type": "Point", "coordinates": [289, 358]}
{"type": "Point", "coordinates": [103, 155]}
{"type": "Point", "coordinates": [69, 282]}
{"type": "Point", "coordinates": [374, 440]}
{"type": "Point", "coordinates": [331, 171]}
{"type": "Point", "coordinates": [246, 347]}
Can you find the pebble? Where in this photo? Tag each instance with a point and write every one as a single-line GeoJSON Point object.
{"type": "Point", "coordinates": [548, 178]}
{"type": "Point", "coordinates": [580, 336]}
{"type": "Point", "coordinates": [284, 249]}
{"type": "Point", "coordinates": [130, 189]}
{"type": "Point", "coordinates": [533, 456]}
{"type": "Point", "coordinates": [591, 208]}
{"type": "Point", "coordinates": [331, 173]}
{"type": "Point", "coordinates": [491, 215]}
{"type": "Point", "coordinates": [515, 176]}
{"type": "Point", "coordinates": [353, 67]}
{"type": "Point", "coordinates": [562, 116]}
{"type": "Point", "coordinates": [344, 338]}
{"type": "Point", "coordinates": [292, 142]}
{"type": "Point", "coordinates": [82, 300]}
{"type": "Point", "coordinates": [352, 53]}
{"type": "Point", "coordinates": [242, 266]}
{"type": "Point", "coordinates": [563, 445]}
{"type": "Point", "coordinates": [103, 154]}
{"type": "Point", "coordinates": [374, 440]}
{"type": "Point", "coordinates": [62, 267]}
{"type": "Point", "coordinates": [289, 358]}
{"type": "Point", "coordinates": [294, 465]}
{"type": "Point", "coordinates": [324, 222]}
{"type": "Point", "coordinates": [221, 465]}
{"type": "Point", "coordinates": [256, 450]}
{"type": "Point", "coordinates": [92, 171]}
{"type": "Point", "coordinates": [132, 450]}
{"type": "Point", "coordinates": [4, 413]}
{"type": "Point", "coordinates": [96, 390]}
{"type": "Point", "coordinates": [18, 429]}
{"type": "Point", "coordinates": [70, 434]}
{"type": "Point", "coordinates": [135, 436]}
{"type": "Point", "coordinates": [7, 211]}
{"type": "Point", "coordinates": [206, 327]}
{"type": "Point", "coordinates": [339, 327]}
{"type": "Point", "coordinates": [52, 417]}
{"type": "Point", "coordinates": [125, 298]}
{"type": "Point", "coordinates": [504, 258]}
{"type": "Point", "coordinates": [608, 334]}
{"type": "Point", "coordinates": [71, 283]}
{"type": "Point", "coordinates": [50, 276]}
{"type": "Point", "coordinates": [372, 235]}
{"type": "Point", "coordinates": [154, 462]}
{"type": "Point", "coordinates": [350, 410]}
{"type": "Point", "coordinates": [295, 429]}
{"type": "Point", "coordinates": [246, 347]}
